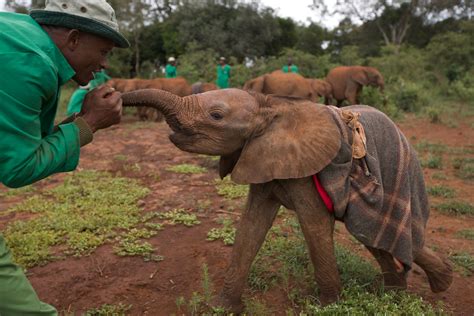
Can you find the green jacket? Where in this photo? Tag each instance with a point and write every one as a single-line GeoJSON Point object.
{"type": "Point", "coordinates": [170, 71]}
{"type": "Point", "coordinates": [292, 68]}
{"type": "Point", "coordinates": [223, 76]}
{"type": "Point", "coordinates": [32, 71]}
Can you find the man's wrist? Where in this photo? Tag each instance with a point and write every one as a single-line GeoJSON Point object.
{"type": "Point", "coordinates": [86, 133]}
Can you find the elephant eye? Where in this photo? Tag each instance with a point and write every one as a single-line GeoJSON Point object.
{"type": "Point", "coordinates": [217, 116]}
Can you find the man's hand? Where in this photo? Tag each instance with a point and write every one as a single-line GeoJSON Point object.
{"type": "Point", "coordinates": [102, 107]}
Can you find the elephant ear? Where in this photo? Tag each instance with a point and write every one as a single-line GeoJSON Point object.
{"type": "Point", "coordinates": [360, 76]}
{"type": "Point", "coordinates": [299, 138]}
{"type": "Point", "coordinates": [255, 84]}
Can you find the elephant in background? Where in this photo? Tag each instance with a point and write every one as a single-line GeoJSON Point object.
{"type": "Point", "coordinates": [282, 84]}
{"type": "Point", "coordinates": [282, 147]}
{"type": "Point", "coordinates": [322, 88]}
{"type": "Point", "coordinates": [347, 82]}
{"type": "Point", "coordinates": [200, 87]}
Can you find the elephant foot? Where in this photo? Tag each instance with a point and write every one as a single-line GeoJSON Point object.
{"type": "Point", "coordinates": [234, 306]}
{"type": "Point", "coordinates": [328, 298]}
{"type": "Point", "coordinates": [395, 281]}
{"type": "Point", "coordinates": [440, 278]}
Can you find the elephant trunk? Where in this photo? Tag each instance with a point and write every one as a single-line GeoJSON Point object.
{"type": "Point", "coordinates": [167, 103]}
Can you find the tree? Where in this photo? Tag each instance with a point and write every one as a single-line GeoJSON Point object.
{"type": "Point", "coordinates": [397, 14]}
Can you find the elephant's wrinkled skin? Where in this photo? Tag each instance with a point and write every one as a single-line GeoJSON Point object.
{"type": "Point", "coordinates": [347, 82]}
{"type": "Point", "coordinates": [276, 145]}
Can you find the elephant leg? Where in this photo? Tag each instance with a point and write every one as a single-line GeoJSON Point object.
{"type": "Point", "coordinates": [255, 222]}
{"type": "Point", "coordinates": [392, 279]}
{"type": "Point", "coordinates": [317, 224]}
{"type": "Point", "coordinates": [351, 92]}
{"type": "Point", "coordinates": [439, 271]}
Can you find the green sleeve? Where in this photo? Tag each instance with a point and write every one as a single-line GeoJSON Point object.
{"type": "Point", "coordinates": [29, 150]}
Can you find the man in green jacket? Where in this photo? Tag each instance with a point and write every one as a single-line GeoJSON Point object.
{"type": "Point", "coordinates": [170, 69]}
{"type": "Point", "coordinates": [223, 74]}
{"type": "Point", "coordinates": [39, 53]}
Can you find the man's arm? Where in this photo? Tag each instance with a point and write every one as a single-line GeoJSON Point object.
{"type": "Point", "coordinates": [29, 150]}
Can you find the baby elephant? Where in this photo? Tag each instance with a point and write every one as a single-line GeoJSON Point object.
{"type": "Point", "coordinates": [352, 164]}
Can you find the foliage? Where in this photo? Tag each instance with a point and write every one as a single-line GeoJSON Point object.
{"type": "Point", "coordinates": [464, 261]}
{"type": "Point", "coordinates": [441, 190]}
{"type": "Point", "coordinates": [179, 216]}
{"type": "Point", "coordinates": [464, 167]}
{"type": "Point", "coordinates": [187, 168]}
{"type": "Point", "coordinates": [466, 234]}
{"type": "Point", "coordinates": [432, 162]}
{"type": "Point", "coordinates": [456, 208]}
{"type": "Point", "coordinates": [109, 310]}
{"type": "Point", "coordinates": [229, 189]}
{"type": "Point", "coordinates": [226, 233]}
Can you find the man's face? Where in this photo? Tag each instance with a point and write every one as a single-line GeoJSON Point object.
{"type": "Point", "coordinates": [89, 56]}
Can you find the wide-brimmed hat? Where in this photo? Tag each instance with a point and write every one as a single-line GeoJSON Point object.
{"type": "Point", "coordinates": [171, 59]}
{"type": "Point", "coordinates": [91, 16]}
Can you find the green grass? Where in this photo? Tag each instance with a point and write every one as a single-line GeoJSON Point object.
{"type": "Point", "coordinates": [432, 162]}
{"type": "Point", "coordinates": [109, 310]}
{"type": "Point", "coordinates": [187, 168]}
{"type": "Point", "coordinates": [464, 168]}
{"type": "Point", "coordinates": [17, 192]}
{"type": "Point", "coordinates": [439, 176]}
{"type": "Point", "coordinates": [466, 234]}
{"type": "Point", "coordinates": [85, 211]}
{"type": "Point", "coordinates": [464, 262]}
{"type": "Point", "coordinates": [225, 233]}
{"type": "Point", "coordinates": [230, 190]}
{"type": "Point", "coordinates": [442, 191]}
{"type": "Point", "coordinates": [456, 208]}
{"type": "Point", "coordinates": [179, 216]}
{"type": "Point", "coordinates": [426, 146]}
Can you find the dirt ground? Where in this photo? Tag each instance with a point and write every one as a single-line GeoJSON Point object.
{"type": "Point", "coordinates": [78, 284]}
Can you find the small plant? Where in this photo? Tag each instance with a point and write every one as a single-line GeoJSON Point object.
{"type": "Point", "coordinates": [456, 208]}
{"type": "Point", "coordinates": [464, 167]}
{"type": "Point", "coordinates": [466, 234]}
{"type": "Point", "coordinates": [187, 168]}
{"type": "Point", "coordinates": [109, 310]}
{"type": "Point", "coordinates": [426, 146]}
{"type": "Point", "coordinates": [432, 162]}
{"type": "Point", "coordinates": [226, 233]}
{"type": "Point", "coordinates": [120, 157]}
{"type": "Point", "coordinates": [464, 261]}
{"type": "Point", "coordinates": [179, 216]}
{"type": "Point", "coordinates": [129, 244]}
{"type": "Point", "coordinates": [439, 176]}
{"type": "Point", "coordinates": [441, 190]}
{"type": "Point", "coordinates": [230, 190]}
{"type": "Point", "coordinates": [434, 114]}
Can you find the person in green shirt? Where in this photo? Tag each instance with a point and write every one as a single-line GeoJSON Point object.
{"type": "Point", "coordinates": [75, 102]}
{"type": "Point", "coordinates": [223, 74]}
{"type": "Point", "coordinates": [290, 67]}
{"type": "Point", "coordinates": [38, 54]}
{"type": "Point", "coordinates": [170, 69]}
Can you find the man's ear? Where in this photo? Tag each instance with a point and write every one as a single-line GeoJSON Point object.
{"type": "Point", "coordinates": [300, 140]}
{"type": "Point", "coordinates": [72, 39]}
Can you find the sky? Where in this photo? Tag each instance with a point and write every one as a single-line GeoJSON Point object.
{"type": "Point", "coordinates": [298, 10]}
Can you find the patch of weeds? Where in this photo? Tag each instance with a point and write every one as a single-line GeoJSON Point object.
{"type": "Point", "coordinates": [212, 158]}
{"type": "Point", "coordinates": [442, 191]}
{"type": "Point", "coordinates": [255, 307]}
{"type": "Point", "coordinates": [202, 205]}
{"type": "Point", "coordinates": [439, 176]}
{"type": "Point", "coordinates": [187, 168]}
{"type": "Point", "coordinates": [226, 233]}
{"type": "Point", "coordinates": [179, 216]}
{"type": "Point", "coordinates": [426, 146]}
{"type": "Point", "coordinates": [109, 310]}
{"type": "Point", "coordinates": [82, 213]}
{"type": "Point", "coordinates": [230, 190]}
{"type": "Point", "coordinates": [19, 191]}
{"type": "Point", "coordinates": [434, 114]}
{"type": "Point", "coordinates": [200, 303]}
{"type": "Point", "coordinates": [135, 167]}
{"type": "Point", "coordinates": [129, 244]}
{"type": "Point", "coordinates": [466, 234]}
{"type": "Point", "coordinates": [456, 208]}
{"type": "Point", "coordinates": [357, 301]}
{"type": "Point", "coordinates": [464, 261]}
{"type": "Point", "coordinates": [432, 162]}
{"type": "Point", "coordinates": [121, 157]}
{"type": "Point", "coordinates": [464, 168]}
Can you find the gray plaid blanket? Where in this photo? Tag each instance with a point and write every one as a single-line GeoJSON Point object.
{"type": "Point", "coordinates": [381, 198]}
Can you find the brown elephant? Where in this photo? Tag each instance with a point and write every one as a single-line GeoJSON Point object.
{"type": "Point", "coordinates": [368, 176]}
{"type": "Point", "coordinates": [347, 82]}
{"type": "Point", "coordinates": [322, 88]}
{"type": "Point", "coordinates": [200, 87]}
{"type": "Point", "coordinates": [282, 84]}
